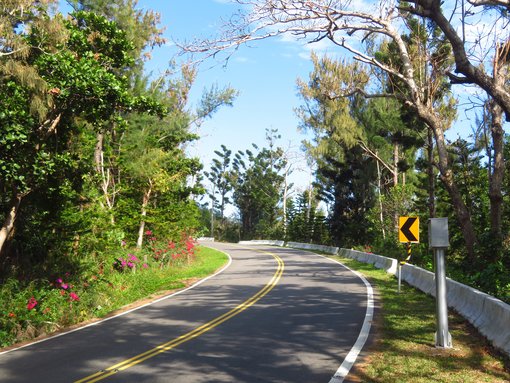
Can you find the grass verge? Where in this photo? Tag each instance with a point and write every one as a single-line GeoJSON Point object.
{"type": "Point", "coordinates": [42, 307]}
{"type": "Point", "coordinates": [403, 348]}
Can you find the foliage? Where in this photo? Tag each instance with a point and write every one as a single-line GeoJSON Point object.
{"type": "Point", "coordinates": [38, 307]}
{"type": "Point", "coordinates": [220, 178]}
{"type": "Point", "coordinates": [90, 150]}
{"type": "Point", "coordinates": [257, 185]}
{"type": "Point", "coordinates": [306, 222]}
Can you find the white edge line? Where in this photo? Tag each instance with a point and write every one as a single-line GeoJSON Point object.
{"type": "Point", "coordinates": [342, 371]}
{"type": "Point", "coordinates": [129, 311]}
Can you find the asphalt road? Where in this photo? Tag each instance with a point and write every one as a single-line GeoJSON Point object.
{"type": "Point", "coordinates": [273, 315]}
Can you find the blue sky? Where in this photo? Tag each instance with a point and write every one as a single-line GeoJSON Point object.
{"type": "Point", "coordinates": [264, 73]}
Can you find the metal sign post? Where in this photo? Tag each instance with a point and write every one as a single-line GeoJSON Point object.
{"type": "Point", "coordinates": [438, 242]}
{"type": "Point", "coordinates": [402, 263]}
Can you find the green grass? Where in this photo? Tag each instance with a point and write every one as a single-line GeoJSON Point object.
{"type": "Point", "coordinates": [99, 295]}
{"type": "Point", "coordinates": [404, 348]}
{"type": "Point", "coordinates": [131, 287]}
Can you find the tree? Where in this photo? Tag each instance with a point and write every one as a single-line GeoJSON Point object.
{"type": "Point", "coordinates": [469, 66]}
{"type": "Point", "coordinates": [80, 75]}
{"type": "Point", "coordinates": [306, 223]}
{"type": "Point", "coordinates": [342, 22]}
{"type": "Point", "coordinates": [219, 176]}
{"type": "Point", "coordinates": [257, 186]}
{"type": "Point", "coordinates": [143, 32]}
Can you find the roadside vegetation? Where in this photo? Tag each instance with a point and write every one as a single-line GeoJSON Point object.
{"type": "Point", "coordinates": [96, 187]}
{"type": "Point", "coordinates": [93, 149]}
{"type": "Point", "coordinates": [403, 348]}
{"type": "Point", "coordinates": [38, 307]}
{"type": "Point", "coordinates": [379, 112]}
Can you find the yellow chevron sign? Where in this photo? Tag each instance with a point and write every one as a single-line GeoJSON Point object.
{"type": "Point", "coordinates": [409, 229]}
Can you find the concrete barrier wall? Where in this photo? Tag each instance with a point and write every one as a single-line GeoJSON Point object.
{"type": "Point", "coordinates": [309, 246]}
{"type": "Point", "coordinates": [385, 263]}
{"type": "Point", "coordinates": [206, 239]}
{"type": "Point", "coordinates": [269, 242]}
{"type": "Point", "coordinates": [489, 315]}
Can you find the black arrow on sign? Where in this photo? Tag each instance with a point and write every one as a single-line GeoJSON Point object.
{"type": "Point", "coordinates": [405, 229]}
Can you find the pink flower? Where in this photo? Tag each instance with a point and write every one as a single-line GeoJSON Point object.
{"type": "Point", "coordinates": [59, 281]}
{"type": "Point", "coordinates": [65, 286]}
{"type": "Point", "coordinates": [145, 265]}
{"type": "Point", "coordinates": [74, 297]}
{"type": "Point", "coordinates": [32, 302]}
{"type": "Point", "coordinates": [148, 232]}
{"type": "Point", "coordinates": [130, 264]}
{"type": "Point", "coordinates": [133, 257]}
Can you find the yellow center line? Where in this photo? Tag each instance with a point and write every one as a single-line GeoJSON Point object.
{"type": "Point", "coordinates": [100, 375]}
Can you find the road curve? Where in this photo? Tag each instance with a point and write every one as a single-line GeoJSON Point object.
{"type": "Point", "coordinates": [274, 315]}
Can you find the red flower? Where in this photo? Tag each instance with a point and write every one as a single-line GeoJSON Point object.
{"type": "Point", "coordinates": [11, 315]}
{"type": "Point", "coordinates": [148, 232]}
{"type": "Point", "coordinates": [74, 297]}
{"type": "Point", "coordinates": [32, 302]}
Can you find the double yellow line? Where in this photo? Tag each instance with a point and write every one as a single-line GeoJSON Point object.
{"type": "Point", "coordinates": [100, 375]}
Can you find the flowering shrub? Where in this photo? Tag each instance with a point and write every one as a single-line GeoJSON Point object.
{"type": "Point", "coordinates": [38, 307]}
{"type": "Point", "coordinates": [65, 289]}
{"type": "Point", "coordinates": [32, 302]}
{"type": "Point", "coordinates": [167, 253]}
{"type": "Point", "coordinates": [128, 263]}
{"type": "Point", "coordinates": [41, 306]}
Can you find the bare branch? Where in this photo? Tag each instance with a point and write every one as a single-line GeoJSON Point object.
{"type": "Point", "coordinates": [474, 74]}
{"type": "Point", "coordinates": [501, 3]}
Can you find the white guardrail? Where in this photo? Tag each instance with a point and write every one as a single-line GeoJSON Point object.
{"type": "Point", "coordinates": [263, 242]}
{"type": "Point", "coordinates": [489, 315]}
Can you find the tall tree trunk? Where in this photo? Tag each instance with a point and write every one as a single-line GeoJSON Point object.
{"type": "Point", "coordinates": [498, 170]}
{"type": "Point", "coordinates": [379, 185]}
{"type": "Point", "coordinates": [446, 174]}
{"type": "Point", "coordinates": [285, 197]}
{"type": "Point", "coordinates": [395, 182]}
{"type": "Point", "coordinates": [212, 211]}
{"type": "Point", "coordinates": [141, 230]}
{"type": "Point", "coordinates": [431, 175]}
{"type": "Point", "coordinates": [8, 225]}
{"type": "Point", "coordinates": [309, 217]}
{"type": "Point", "coordinates": [98, 152]}
{"type": "Point", "coordinates": [107, 178]}
{"type": "Point", "coordinates": [395, 163]}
